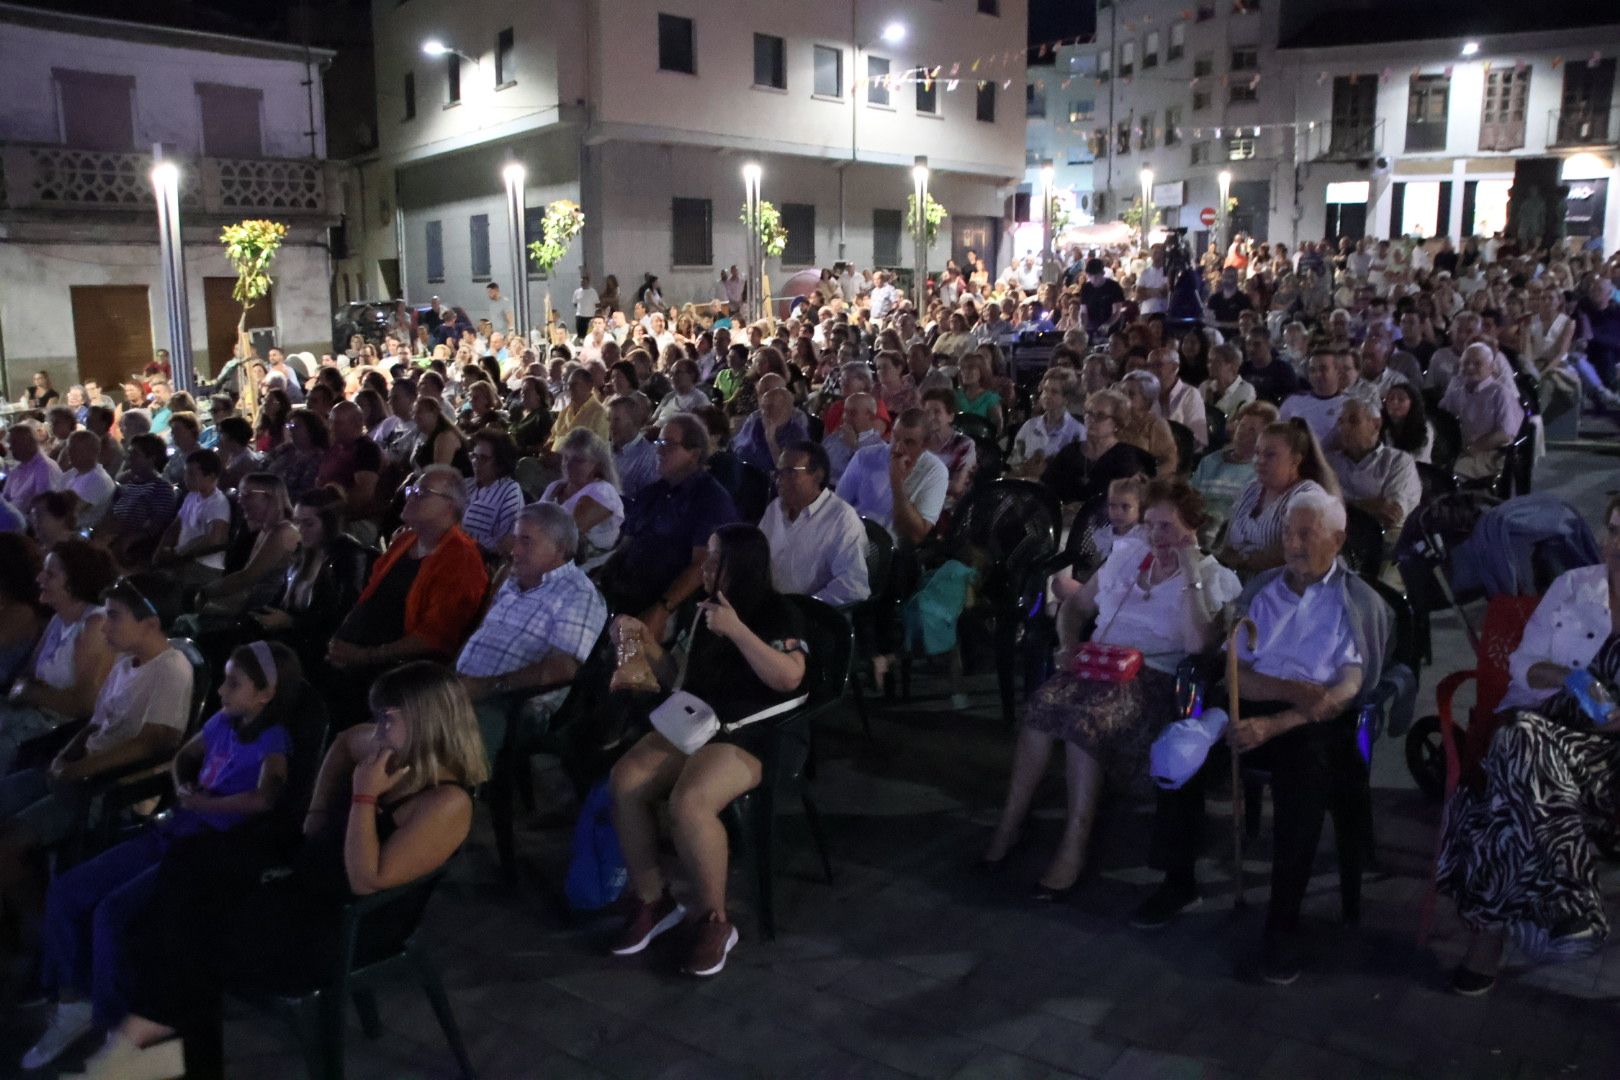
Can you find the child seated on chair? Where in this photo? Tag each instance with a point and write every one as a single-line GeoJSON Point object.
{"type": "Point", "coordinates": [1124, 527]}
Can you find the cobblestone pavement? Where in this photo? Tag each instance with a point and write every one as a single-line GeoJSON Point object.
{"type": "Point", "coordinates": [913, 963]}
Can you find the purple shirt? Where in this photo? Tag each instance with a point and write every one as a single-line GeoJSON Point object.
{"type": "Point", "coordinates": [229, 767]}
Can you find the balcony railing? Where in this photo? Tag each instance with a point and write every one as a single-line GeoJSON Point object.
{"type": "Point", "coordinates": [36, 177]}
{"type": "Point", "coordinates": [1345, 142]}
{"type": "Point", "coordinates": [1582, 127]}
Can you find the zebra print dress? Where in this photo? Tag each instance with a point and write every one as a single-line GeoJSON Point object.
{"type": "Point", "coordinates": [1521, 854]}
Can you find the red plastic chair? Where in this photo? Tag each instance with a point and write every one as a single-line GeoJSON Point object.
{"type": "Point", "coordinates": [1505, 619]}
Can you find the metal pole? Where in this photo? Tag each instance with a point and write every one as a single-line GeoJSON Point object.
{"type": "Point", "coordinates": [1225, 181]}
{"type": "Point", "coordinates": [919, 176]}
{"type": "Point", "coordinates": [516, 177]}
{"type": "Point", "coordinates": [171, 254]}
{"type": "Point", "coordinates": [1047, 172]}
{"type": "Point", "coordinates": [756, 257]}
{"type": "Point", "coordinates": [854, 121]}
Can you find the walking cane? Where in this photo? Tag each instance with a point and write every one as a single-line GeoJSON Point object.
{"type": "Point", "coordinates": [1237, 778]}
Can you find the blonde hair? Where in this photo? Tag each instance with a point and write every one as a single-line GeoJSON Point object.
{"type": "Point", "coordinates": [442, 742]}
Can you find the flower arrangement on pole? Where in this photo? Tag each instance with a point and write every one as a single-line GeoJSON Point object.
{"type": "Point", "coordinates": [564, 220]}
{"type": "Point", "coordinates": [933, 215]}
{"type": "Point", "coordinates": [250, 248]}
{"type": "Point", "coordinates": [773, 235]}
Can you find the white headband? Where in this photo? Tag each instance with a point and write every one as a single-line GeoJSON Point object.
{"type": "Point", "coordinates": [267, 663]}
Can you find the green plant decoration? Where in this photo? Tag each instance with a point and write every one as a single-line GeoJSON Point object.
{"type": "Point", "coordinates": [933, 215]}
{"type": "Point", "coordinates": [250, 247]}
{"type": "Point", "coordinates": [564, 220]}
{"type": "Point", "coordinates": [773, 235]}
{"type": "Point", "coordinates": [1132, 214]}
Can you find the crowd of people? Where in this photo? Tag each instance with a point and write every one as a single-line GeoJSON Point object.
{"type": "Point", "coordinates": [429, 534]}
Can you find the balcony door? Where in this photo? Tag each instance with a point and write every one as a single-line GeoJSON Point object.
{"type": "Point", "coordinates": [1583, 115]}
{"type": "Point", "coordinates": [1355, 106]}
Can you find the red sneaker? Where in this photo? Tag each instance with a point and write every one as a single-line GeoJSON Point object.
{"type": "Point", "coordinates": [713, 938]}
{"type": "Point", "coordinates": [646, 922]}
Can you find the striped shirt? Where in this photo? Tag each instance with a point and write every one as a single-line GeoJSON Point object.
{"type": "Point", "coordinates": [491, 511]}
{"type": "Point", "coordinates": [1252, 530]}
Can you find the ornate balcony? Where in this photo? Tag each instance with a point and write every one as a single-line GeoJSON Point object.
{"type": "Point", "coordinates": [42, 178]}
{"type": "Point", "coordinates": [1571, 128]}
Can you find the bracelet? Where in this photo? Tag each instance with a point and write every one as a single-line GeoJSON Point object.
{"type": "Point", "coordinates": [363, 800]}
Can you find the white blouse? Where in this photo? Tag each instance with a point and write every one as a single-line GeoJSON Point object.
{"type": "Point", "coordinates": [1568, 627]}
{"type": "Point", "coordinates": [596, 545]}
{"type": "Point", "coordinates": [1150, 619]}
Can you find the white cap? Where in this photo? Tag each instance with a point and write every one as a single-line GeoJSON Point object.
{"type": "Point", "coordinates": [1183, 747]}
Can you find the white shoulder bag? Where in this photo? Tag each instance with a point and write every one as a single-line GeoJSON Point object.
{"type": "Point", "coordinates": [689, 722]}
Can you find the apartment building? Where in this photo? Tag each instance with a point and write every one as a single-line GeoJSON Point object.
{"type": "Point", "coordinates": [1060, 105]}
{"type": "Point", "coordinates": [646, 113]}
{"type": "Point", "coordinates": [87, 100]}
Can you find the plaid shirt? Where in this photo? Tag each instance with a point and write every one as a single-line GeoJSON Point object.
{"type": "Point", "coordinates": [562, 614]}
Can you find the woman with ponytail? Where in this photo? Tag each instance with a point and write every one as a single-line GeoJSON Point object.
{"type": "Point", "coordinates": [1287, 463]}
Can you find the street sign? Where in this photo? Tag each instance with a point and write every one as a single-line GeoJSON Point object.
{"type": "Point", "coordinates": [1207, 215]}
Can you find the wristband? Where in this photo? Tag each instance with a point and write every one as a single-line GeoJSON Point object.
{"type": "Point", "coordinates": [363, 800]}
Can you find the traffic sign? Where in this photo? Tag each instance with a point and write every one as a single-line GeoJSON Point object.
{"type": "Point", "coordinates": [1207, 215]}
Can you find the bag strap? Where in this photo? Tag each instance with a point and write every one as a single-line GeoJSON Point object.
{"type": "Point", "coordinates": [1147, 562]}
{"type": "Point", "coordinates": [765, 714]}
{"type": "Point", "coordinates": [686, 653]}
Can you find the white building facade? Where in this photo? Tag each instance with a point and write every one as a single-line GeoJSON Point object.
{"type": "Point", "coordinates": [1329, 123]}
{"type": "Point", "coordinates": [645, 114]}
{"type": "Point", "coordinates": [1061, 110]}
{"type": "Point", "coordinates": [87, 99]}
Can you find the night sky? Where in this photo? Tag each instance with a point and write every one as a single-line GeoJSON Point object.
{"type": "Point", "coordinates": [1053, 19]}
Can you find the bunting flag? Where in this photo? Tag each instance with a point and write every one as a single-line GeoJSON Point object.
{"type": "Point", "coordinates": [1557, 62]}
{"type": "Point", "coordinates": [1594, 60]}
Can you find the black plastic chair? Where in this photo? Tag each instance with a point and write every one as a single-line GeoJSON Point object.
{"type": "Point", "coordinates": [1448, 439]}
{"type": "Point", "coordinates": [1186, 446]}
{"type": "Point", "coordinates": [1364, 543]}
{"type": "Point", "coordinates": [1434, 481]}
{"type": "Point", "coordinates": [879, 566]}
{"type": "Point", "coordinates": [316, 1013]}
{"type": "Point", "coordinates": [751, 818]}
{"type": "Point", "coordinates": [816, 427]}
{"type": "Point", "coordinates": [1216, 421]}
{"type": "Point", "coordinates": [974, 427]}
{"type": "Point", "coordinates": [1518, 465]}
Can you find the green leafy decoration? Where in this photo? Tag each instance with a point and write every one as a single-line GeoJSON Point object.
{"type": "Point", "coordinates": [933, 215]}
{"type": "Point", "coordinates": [251, 247]}
{"type": "Point", "coordinates": [773, 235]}
{"type": "Point", "coordinates": [564, 220]}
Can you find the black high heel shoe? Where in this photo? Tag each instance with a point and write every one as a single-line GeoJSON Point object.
{"type": "Point", "coordinates": [993, 866]}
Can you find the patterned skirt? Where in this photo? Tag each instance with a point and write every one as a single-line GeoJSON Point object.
{"type": "Point", "coordinates": [1115, 723]}
{"type": "Point", "coordinates": [1521, 853]}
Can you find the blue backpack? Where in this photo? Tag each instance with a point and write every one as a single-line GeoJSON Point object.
{"type": "Point", "coordinates": [596, 870]}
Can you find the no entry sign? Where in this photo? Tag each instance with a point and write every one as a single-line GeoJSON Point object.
{"type": "Point", "coordinates": [1207, 215]}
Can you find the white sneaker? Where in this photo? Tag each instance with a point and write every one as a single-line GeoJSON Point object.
{"type": "Point", "coordinates": [70, 1022]}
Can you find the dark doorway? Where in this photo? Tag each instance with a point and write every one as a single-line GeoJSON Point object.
{"type": "Point", "coordinates": [1346, 219]}
{"type": "Point", "coordinates": [112, 332]}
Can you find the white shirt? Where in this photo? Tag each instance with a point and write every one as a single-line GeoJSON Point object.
{"type": "Point", "coordinates": [883, 298]}
{"type": "Point", "coordinates": [157, 692]}
{"type": "Point", "coordinates": [1385, 473]}
{"type": "Point", "coordinates": [1568, 627]}
{"type": "Point", "coordinates": [821, 553]}
{"type": "Point", "coordinates": [197, 513]}
{"type": "Point", "coordinates": [585, 301]}
{"type": "Point", "coordinates": [865, 486]}
{"type": "Point", "coordinates": [1320, 414]}
{"type": "Point", "coordinates": [596, 544]}
{"type": "Point", "coordinates": [1151, 619]}
{"type": "Point", "coordinates": [1239, 394]}
{"type": "Point", "coordinates": [1152, 277]}
{"type": "Point", "coordinates": [1187, 408]}
{"type": "Point", "coordinates": [95, 491]}
{"type": "Point", "coordinates": [1304, 638]}
{"type": "Point", "coordinates": [1036, 437]}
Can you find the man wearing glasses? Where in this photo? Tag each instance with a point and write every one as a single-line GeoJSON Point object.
{"type": "Point", "coordinates": [665, 539]}
{"type": "Point", "coordinates": [818, 544]}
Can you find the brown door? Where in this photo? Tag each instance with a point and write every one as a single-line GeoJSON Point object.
{"type": "Point", "coordinates": [220, 312]}
{"type": "Point", "coordinates": [112, 332]}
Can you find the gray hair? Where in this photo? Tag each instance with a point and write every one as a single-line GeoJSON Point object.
{"type": "Point", "coordinates": [592, 447]}
{"type": "Point", "coordinates": [856, 370]}
{"type": "Point", "coordinates": [556, 523]}
{"type": "Point", "coordinates": [143, 422]}
{"type": "Point", "coordinates": [1149, 383]}
{"type": "Point", "coordinates": [454, 481]}
{"type": "Point", "coordinates": [1329, 509]}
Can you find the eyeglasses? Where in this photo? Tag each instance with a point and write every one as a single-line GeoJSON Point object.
{"type": "Point", "coordinates": [669, 444]}
{"type": "Point", "coordinates": [788, 470]}
{"type": "Point", "coordinates": [413, 490]}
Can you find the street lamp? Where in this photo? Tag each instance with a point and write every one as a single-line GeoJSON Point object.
{"type": "Point", "coordinates": [919, 180]}
{"type": "Point", "coordinates": [1470, 48]}
{"type": "Point", "coordinates": [752, 174]}
{"type": "Point", "coordinates": [893, 33]}
{"type": "Point", "coordinates": [1225, 181]}
{"type": "Point", "coordinates": [1047, 174]}
{"type": "Point", "coordinates": [435, 47]}
{"type": "Point", "coordinates": [172, 255]}
{"type": "Point", "coordinates": [516, 177]}
{"type": "Point", "coordinates": [1147, 205]}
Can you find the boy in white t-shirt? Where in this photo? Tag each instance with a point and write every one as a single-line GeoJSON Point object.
{"type": "Point", "coordinates": [194, 543]}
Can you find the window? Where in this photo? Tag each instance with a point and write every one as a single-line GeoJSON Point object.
{"type": "Point", "coordinates": [1426, 107]}
{"type": "Point", "coordinates": [770, 61]}
{"type": "Point", "coordinates": [435, 251]}
{"type": "Point", "coordinates": [800, 221]}
{"type": "Point", "coordinates": [1122, 137]}
{"type": "Point", "coordinates": [1242, 92]}
{"type": "Point", "coordinates": [1147, 136]}
{"type": "Point", "coordinates": [1079, 155]}
{"type": "Point", "coordinates": [985, 106]}
{"type": "Point", "coordinates": [452, 79]}
{"type": "Point", "coordinates": [534, 224]}
{"type": "Point", "coordinates": [505, 58]}
{"type": "Point", "coordinates": [1200, 153]}
{"type": "Point", "coordinates": [692, 226]}
{"type": "Point", "coordinates": [97, 110]}
{"type": "Point", "coordinates": [1081, 111]}
{"type": "Point", "coordinates": [1245, 59]}
{"type": "Point", "coordinates": [1150, 50]}
{"type": "Point", "coordinates": [989, 7]}
{"type": "Point", "coordinates": [1127, 59]}
{"type": "Point", "coordinates": [1355, 105]}
{"type": "Point", "coordinates": [1105, 65]}
{"type": "Point", "coordinates": [1178, 42]}
{"type": "Point", "coordinates": [230, 120]}
{"type": "Point", "coordinates": [829, 64]}
{"type": "Point", "coordinates": [676, 49]}
{"type": "Point", "coordinates": [1206, 11]}
{"type": "Point", "coordinates": [927, 96]}
{"type": "Point", "coordinates": [877, 81]}
{"type": "Point", "coordinates": [478, 246]}
{"type": "Point", "coordinates": [1240, 149]}
{"type": "Point", "coordinates": [1172, 126]}
{"type": "Point", "coordinates": [1501, 119]}
{"type": "Point", "coordinates": [1203, 65]}
{"type": "Point", "coordinates": [1034, 102]}
{"type": "Point", "coordinates": [886, 227]}
{"type": "Point", "coordinates": [1099, 142]}
{"type": "Point", "coordinates": [1200, 100]}
{"type": "Point", "coordinates": [410, 95]}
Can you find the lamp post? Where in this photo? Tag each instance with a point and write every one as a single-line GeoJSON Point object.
{"type": "Point", "coordinates": [1147, 205]}
{"type": "Point", "coordinates": [172, 255]}
{"type": "Point", "coordinates": [893, 34]}
{"type": "Point", "coordinates": [435, 47]}
{"type": "Point", "coordinates": [1047, 173]}
{"type": "Point", "coordinates": [1225, 182]}
{"type": "Point", "coordinates": [919, 180]}
{"type": "Point", "coordinates": [516, 177]}
{"type": "Point", "coordinates": [752, 174]}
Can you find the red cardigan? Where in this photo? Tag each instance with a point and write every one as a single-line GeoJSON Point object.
{"type": "Point", "coordinates": [448, 591]}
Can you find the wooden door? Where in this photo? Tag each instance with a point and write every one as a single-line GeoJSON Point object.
{"type": "Point", "coordinates": [112, 332]}
{"type": "Point", "coordinates": [221, 311]}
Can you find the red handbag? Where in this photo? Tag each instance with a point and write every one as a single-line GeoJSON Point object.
{"type": "Point", "coordinates": [1098, 662]}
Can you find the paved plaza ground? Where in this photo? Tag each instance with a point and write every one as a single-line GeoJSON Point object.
{"type": "Point", "coordinates": [914, 964]}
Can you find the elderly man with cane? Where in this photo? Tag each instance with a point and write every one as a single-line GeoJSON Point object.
{"type": "Point", "coordinates": [1319, 638]}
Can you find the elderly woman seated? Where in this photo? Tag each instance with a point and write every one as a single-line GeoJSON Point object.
{"type": "Point", "coordinates": [1141, 426]}
{"type": "Point", "coordinates": [1321, 639]}
{"type": "Point", "coordinates": [1520, 854]}
{"type": "Point", "coordinates": [1162, 598]}
{"type": "Point", "coordinates": [745, 657]}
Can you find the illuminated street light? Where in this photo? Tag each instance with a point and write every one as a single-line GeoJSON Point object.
{"type": "Point", "coordinates": [435, 47]}
{"type": "Point", "coordinates": [1147, 204]}
{"type": "Point", "coordinates": [1225, 181]}
{"type": "Point", "coordinates": [516, 177]}
{"type": "Point", "coordinates": [1047, 175]}
{"type": "Point", "coordinates": [172, 257]}
{"type": "Point", "coordinates": [894, 33]}
{"type": "Point", "coordinates": [1470, 48]}
{"type": "Point", "coordinates": [752, 174]}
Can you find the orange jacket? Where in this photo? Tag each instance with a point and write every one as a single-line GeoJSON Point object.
{"type": "Point", "coordinates": [448, 591]}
